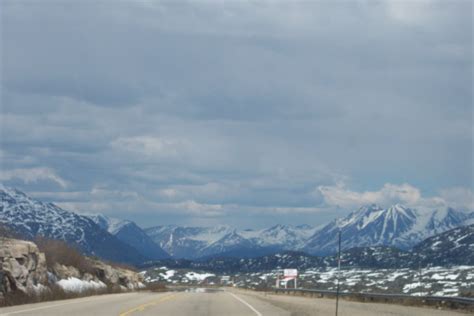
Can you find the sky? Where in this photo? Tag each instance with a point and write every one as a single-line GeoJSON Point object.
{"type": "Point", "coordinates": [245, 113]}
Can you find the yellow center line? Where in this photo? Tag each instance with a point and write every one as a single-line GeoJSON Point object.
{"type": "Point", "coordinates": [142, 307]}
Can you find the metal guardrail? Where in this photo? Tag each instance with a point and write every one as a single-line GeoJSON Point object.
{"type": "Point", "coordinates": [465, 302]}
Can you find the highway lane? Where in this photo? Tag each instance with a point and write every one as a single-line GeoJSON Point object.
{"type": "Point", "coordinates": [198, 302]}
{"type": "Point", "coordinates": [211, 302]}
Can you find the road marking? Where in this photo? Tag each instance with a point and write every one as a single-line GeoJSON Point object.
{"type": "Point", "coordinates": [246, 304]}
{"type": "Point", "coordinates": [142, 307]}
{"type": "Point", "coordinates": [56, 305]}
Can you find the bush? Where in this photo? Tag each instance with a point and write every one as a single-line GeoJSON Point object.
{"type": "Point", "coordinates": [120, 265]}
{"type": "Point", "coordinates": [57, 251]}
{"type": "Point", "coordinates": [52, 293]}
{"type": "Point", "coordinates": [155, 287]}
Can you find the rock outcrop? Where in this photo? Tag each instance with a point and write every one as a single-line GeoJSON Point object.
{"type": "Point", "coordinates": [99, 272]}
{"type": "Point", "coordinates": [22, 266]}
{"type": "Point", "coordinates": [118, 276]}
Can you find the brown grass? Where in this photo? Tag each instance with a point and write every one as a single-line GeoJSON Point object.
{"type": "Point", "coordinates": [155, 287]}
{"type": "Point", "coordinates": [57, 251]}
{"type": "Point", "coordinates": [120, 265]}
{"type": "Point", "coordinates": [53, 293]}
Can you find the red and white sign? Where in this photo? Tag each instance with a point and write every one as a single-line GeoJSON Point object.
{"type": "Point", "coordinates": [290, 273]}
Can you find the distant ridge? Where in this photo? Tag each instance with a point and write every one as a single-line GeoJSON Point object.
{"type": "Point", "coordinates": [453, 247]}
{"type": "Point", "coordinates": [131, 234]}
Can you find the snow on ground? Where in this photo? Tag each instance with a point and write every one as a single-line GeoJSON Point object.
{"type": "Point", "coordinates": [440, 281]}
{"type": "Point", "coordinates": [76, 285]}
{"type": "Point", "coordinates": [194, 276]}
{"type": "Point", "coordinates": [163, 274]}
{"type": "Point", "coordinates": [168, 274]}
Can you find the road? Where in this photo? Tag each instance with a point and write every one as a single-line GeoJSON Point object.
{"type": "Point", "coordinates": [210, 302]}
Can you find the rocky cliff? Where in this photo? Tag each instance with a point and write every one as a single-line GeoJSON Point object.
{"type": "Point", "coordinates": [22, 266]}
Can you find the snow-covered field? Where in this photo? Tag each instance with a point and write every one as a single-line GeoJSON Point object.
{"type": "Point", "coordinates": [436, 281]}
{"type": "Point", "coordinates": [178, 276]}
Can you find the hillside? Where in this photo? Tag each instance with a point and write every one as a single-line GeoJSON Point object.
{"type": "Point", "coordinates": [29, 218]}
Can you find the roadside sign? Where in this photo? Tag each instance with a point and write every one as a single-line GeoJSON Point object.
{"type": "Point", "coordinates": [290, 272]}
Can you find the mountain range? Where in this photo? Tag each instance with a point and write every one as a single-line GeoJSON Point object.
{"type": "Point", "coordinates": [123, 240]}
{"type": "Point", "coordinates": [196, 242]}
{"type": "Point", "coordinates": [453, 247]}
{"type": "Point", "coordinates": [31, 218]}
{"type": "Point", "coordinates": [397, 226]}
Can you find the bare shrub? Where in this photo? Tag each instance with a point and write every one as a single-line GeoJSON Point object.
{"type": "Point", "coordinates": [15, 298]}
{"type": "Point", "coordinates": [52, 293]}
{"type": "Point", "coordinates": [120, 265]}
{"type": "Point", "coordinates": [57, 251]}
{"type": "Point", "coordinates": [156, 287]}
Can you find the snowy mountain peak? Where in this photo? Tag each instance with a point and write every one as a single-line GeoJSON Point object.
{"type": "Point", "coordinates": [112, 225]}
{"type": "Point", "coordinates": [397, 226]}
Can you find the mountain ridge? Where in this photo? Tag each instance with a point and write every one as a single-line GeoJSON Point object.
{"type": "Point", "coordinates": [397, 226]}
{"type": "Point", "coordinates": [437, 250]}
{"type": "Point", "coordinates": [31, 218]}
{"type": "Point", "coordinates": [130, 233]}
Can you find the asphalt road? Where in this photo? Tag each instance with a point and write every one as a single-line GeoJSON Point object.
{"type": "Point", "coordinates": [200, 302]}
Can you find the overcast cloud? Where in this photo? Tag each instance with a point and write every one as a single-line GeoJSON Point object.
{"type": "Point", "coordinates": [244, 112]}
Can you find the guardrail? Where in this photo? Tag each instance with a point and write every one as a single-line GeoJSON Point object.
{"type": "Point", "coordinates": [464, 303]}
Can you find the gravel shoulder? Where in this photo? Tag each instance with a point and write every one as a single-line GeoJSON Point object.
{"type": "Point", "coordinates": [304, 306]}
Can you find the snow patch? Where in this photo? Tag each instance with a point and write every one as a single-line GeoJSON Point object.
{"type": "Point", "coordinates": [77, 286]}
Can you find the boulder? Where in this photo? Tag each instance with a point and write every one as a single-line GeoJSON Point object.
{"type": "Point", "coordinates": [65, 272]}
{"type": "Point", "coordinates": [118, 276]}
{"type": "Point", "coordinates": [22, 265]}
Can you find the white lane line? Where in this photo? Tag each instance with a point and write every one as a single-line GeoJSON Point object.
{"type": "Point", "coordinates": [52, 306]}
{"type": "Point", "coordinates": [246, 304]}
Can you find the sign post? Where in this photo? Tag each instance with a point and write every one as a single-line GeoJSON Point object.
{"type": "Point", "coordinates": [290, 274]}
{"type": "Point", "coordinates": [338, 271]}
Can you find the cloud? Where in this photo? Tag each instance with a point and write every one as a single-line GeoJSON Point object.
{"type": "Point", "coordinates": [149, 146]}
{"type": "Point", "coordinates": [242, 105]}
{"type": "Point", "coordinates": [413, 12]}
{"type": "Point", "coordinates": [389, 194]}
{"type": "Point", "coordinates": [33, 175]}
{"type": "Point", "coordinates": [458, 197]}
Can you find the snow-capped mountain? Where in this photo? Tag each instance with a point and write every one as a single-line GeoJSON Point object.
{"type": "Point", "coordinates": [110, 224]}
{"type": "Point", "coordinates": [280, 236]}
{"type": "Point", "coordinates": [131, 234]}
{"type": "Point", "coordinates": [455, 246]}
{"type": "Point", "coordinates": [195, 242]}
{"type": "Point", "coordinates": [120, 240]}
{"type": "Point", "coordinates": [397, 226]}
{"type": "Point", "coordinates": [186, 242]}
{"type": "Point", "coordinates": [30, 218]}
{"type": "Point", "coordinates": [235, 245]}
